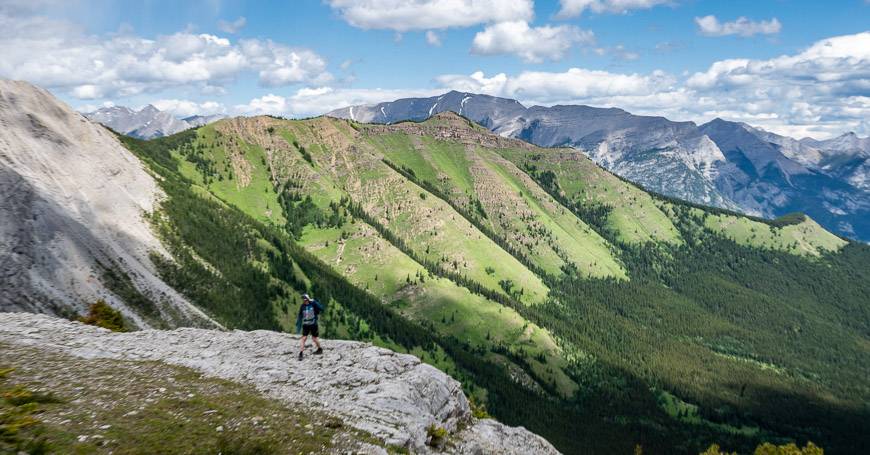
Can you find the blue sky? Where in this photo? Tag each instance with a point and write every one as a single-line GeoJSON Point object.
{"type": "Point", "coordinates": [793, 67]}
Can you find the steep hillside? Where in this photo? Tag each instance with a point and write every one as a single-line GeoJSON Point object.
{"type": "Point", "coordinates": [581, 288]}
{"type": "Point", "coordinates": [73, 225]}
{"type": "Point", "coordinates": [722, 164]}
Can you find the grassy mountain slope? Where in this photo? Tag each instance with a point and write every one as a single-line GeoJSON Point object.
{"type": "Point", "coordinates": [566, 299]}
{"type": "Point", "coordinates": [494, 193]}
{"type": "Point", "coordinates": [799, 234]}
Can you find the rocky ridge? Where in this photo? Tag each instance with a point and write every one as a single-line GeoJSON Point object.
{"type": "Point", "coordinates": [394, 397]}
{"type": "Point", "coordinates": [73, 213]}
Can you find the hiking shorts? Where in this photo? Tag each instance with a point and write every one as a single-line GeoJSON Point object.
{"type": "Point", "coordinates": [310, 330]}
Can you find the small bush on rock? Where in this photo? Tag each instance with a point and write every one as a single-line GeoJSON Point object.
{"type": "Point", "coordinates": [437, 436]}
{"type": "Point", "coordinates": [102, 315]}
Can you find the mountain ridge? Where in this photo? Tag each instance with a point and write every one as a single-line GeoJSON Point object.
{"type": "Point", "coordinates": [148, 122]}
{"type": "Point", "coordinates": [673, 158]}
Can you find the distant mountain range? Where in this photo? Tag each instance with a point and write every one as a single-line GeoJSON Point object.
{"type": "Point", "coordinates": [720, 163]}
{"type": "Point", "coordinates": [148, 122]}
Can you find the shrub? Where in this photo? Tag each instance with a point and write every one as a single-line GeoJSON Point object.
{"type": "Point", "coordinates": [437, 435]}
{"type": "Point", "coordinates": [478, 410]}
{"type": "Point", "coordinates": [788, 449]}
{"type": "Point", "coordinates": [102, 315]}
{"type": "Point", "coordinates": [772, 449]}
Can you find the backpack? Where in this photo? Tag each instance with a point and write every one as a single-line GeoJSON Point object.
{"type": "Point", "coordinates": [309, 316]}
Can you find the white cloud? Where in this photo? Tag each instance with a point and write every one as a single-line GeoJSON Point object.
{"type": "Point", "coordinates": [316, 101]}
{"type": "Point", "coordinates": [818, 91]}
{"type": "Point", "coordinates": [85, 108]}
{"type": "Point", "coordinates": [267, 104]}
{"type": "Point", "coordinates": [186, 108]}
{"type": "Point", "coordinates": [838, 65]}
{"type": "Point", "coordinates": [575, 85]}
{"type": "Point", "coordinates": [58, 55]}
{"type": "Point", "coordinates": [573, 8]}
{"type": "Point", "coordinates": [532, 44]}
{"type": "Point", "coordinates": [232, 27]}
{"type": "Point", "coordinates": [432, 38]}
{"type": "Point", "coordinates": [406, 15]}
{"type": "Point", "coordinates": [280, 65]}
{"type": "Point", "coordinates": [710, 26]}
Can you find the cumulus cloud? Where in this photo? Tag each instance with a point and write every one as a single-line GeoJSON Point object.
{"type": "Point", "coordinates": [576, 85]}
{"type": "Point", "coordinates": [232, 27]}
{"type": "Point", "coordinates": [280, 65]}
{"type": "Point", "coordinates": [532, 44]}
{"type": "Point", "coordinates": [405, 15]}
{"type": "Point", "coordinates": [316, 101]}
{"type": "Point", "coordinates": [58, 55]}
{"type": "Point", "coordinates": [186, 108]}
{"type": "Point", "coordinates": [573, 8]}
{"type": "Point", "coordinates": [840, 64]}
{"type": "Point", "coordinates": [267, 104]}
{"type": "Point", "coordinates": [710, 26]}
{"type": "Point", "coordinates": [819, 91]}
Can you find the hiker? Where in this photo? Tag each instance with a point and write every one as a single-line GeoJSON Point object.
{"type": "Point", "coordinates": [306, 322]}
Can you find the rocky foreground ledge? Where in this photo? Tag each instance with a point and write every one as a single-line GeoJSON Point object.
{"type": "Point", "coordinates": [394, 397]}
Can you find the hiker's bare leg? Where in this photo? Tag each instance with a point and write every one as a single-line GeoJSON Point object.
{"type": "Point", "coordinates": [302, 344]}
{"type": "Point", "coordinates": [316, 342]}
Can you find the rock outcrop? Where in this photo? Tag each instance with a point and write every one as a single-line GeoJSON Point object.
{"type": "Point", "coordinates": [395, 397]}
{"type": "Point", "coordinates": [72, 214]}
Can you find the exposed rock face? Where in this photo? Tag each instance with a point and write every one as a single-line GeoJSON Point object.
{"type": "Point", "coordinates": [393, 396]}
{"type": "Point", "coordinates": [72, 209]}
{"type": "Point", "coordinates": [771, 175]}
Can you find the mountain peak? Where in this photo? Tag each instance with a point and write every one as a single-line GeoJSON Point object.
{"type": "Point", "coordinates": [149, 109]}
{"type": "Point", "coordinates": [148, 122]}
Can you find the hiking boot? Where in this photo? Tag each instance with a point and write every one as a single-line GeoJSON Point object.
{"type": "Point", "coordinates": [300, 355]}
{"type": "Point", "coordinates": [318, 351]}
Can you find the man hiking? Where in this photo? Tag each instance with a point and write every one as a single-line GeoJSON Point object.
{"type": "Point", "coordinates": [306, 322]}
